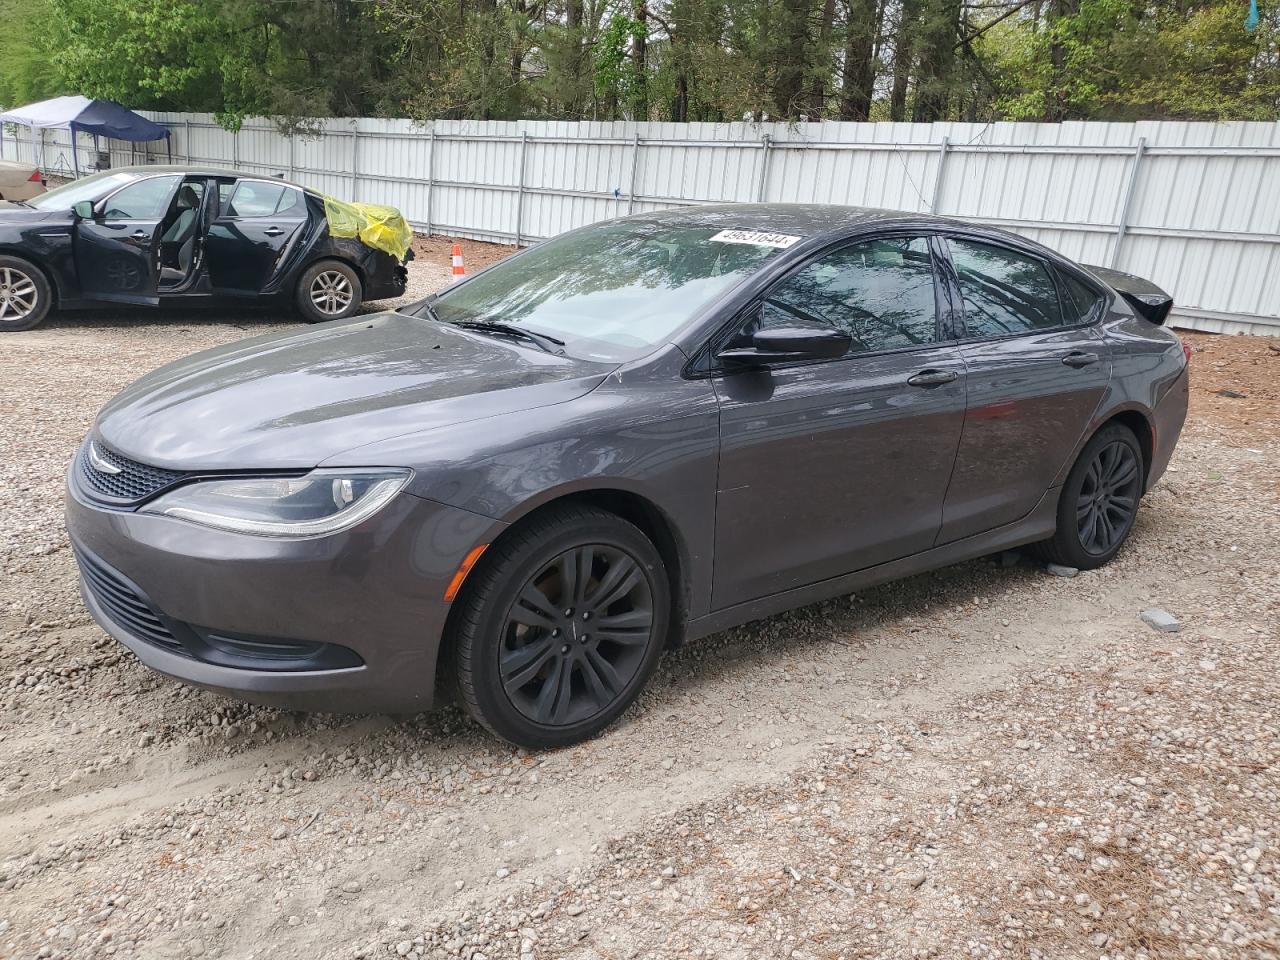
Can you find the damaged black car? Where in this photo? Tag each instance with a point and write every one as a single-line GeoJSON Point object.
{"type": "Point", "coordinates": [180, 236]}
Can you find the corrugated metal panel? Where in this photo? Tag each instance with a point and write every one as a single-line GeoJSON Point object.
{"type": "Point", "coordinates": [1202, 218]}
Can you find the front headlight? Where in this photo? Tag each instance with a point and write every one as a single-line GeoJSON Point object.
{"type": "Point", "coordinates": [322, 502]}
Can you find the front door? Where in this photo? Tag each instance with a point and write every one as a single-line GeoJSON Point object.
{"type": "Point", "coordinates": [1037, 371]}
{"type": "Point", "coordinates": [252, 235]}
{"type": "Point", "coordinates": [835, 466]}
{"type": "Point", "coordinates": [118, 251]}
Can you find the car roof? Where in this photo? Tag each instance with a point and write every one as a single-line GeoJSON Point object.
{"type": "Point", "coordinates": [803, 219]}
{"type": "Point", "coordinates": [227, 172]}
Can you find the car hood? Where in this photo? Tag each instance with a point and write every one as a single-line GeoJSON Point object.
{"type": "Point", "coordinates": [292, 400]}
{"type": "Point", "coordinates": [16, 213]}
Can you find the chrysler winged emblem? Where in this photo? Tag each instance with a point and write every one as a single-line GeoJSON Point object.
{"type": "Point", "coordinates": [100, 463]}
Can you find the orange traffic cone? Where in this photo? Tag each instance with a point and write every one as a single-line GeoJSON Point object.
{"type": "Point", "coordinates": [459, 271]}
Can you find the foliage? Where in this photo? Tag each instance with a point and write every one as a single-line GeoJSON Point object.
{"type": "Point", "coordinates": [26, 75]}
{"type": "Point", "coordinates": [651, 59]}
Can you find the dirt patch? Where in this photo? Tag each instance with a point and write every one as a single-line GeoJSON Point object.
{"type": "Point", "coordinates": [983, 761]}
{"type": "Point", "coordinates": [1237, 382]}
{"type": "Point", "coordinates": [476, 254]}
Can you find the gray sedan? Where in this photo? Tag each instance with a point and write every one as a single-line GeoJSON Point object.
{"type": "Point", "coordinates": [619, 440]}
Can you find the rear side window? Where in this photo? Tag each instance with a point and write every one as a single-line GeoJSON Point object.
{"type": "Point", "coordinates": [1005, 292]}
{"type": "Point", "coordinates": [1079, 303]}
{"type": "Point", "coordinates": [291, 203]}
{"type": "Point", "coordinates": [879, 292]}
{"type": "Point", "coordinates": [255, 199]}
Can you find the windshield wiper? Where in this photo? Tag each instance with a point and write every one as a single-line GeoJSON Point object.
{"type": "Point", "coordinates": [545, 341]}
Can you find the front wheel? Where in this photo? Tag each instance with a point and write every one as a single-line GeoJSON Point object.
{"type": "Point", "coordinates": [25, 297]}
{"type": "Point", "coordinates": [1099, 501]}
{"type": "Point", "coordinates": [329, 290]}
{"type": "Point", "coordinates": [561, 627]}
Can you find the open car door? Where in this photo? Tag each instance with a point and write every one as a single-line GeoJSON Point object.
{"type": "Point", "coordinates": [118, 251]}
{"type": "Point", "coordinates": [252, 235]}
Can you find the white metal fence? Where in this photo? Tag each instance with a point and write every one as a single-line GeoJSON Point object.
{"type": "Point", "coordinates": [1194, 207]}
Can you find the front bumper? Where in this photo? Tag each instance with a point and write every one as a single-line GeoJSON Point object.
{"type": "Point", "coordinates": [346, 623]}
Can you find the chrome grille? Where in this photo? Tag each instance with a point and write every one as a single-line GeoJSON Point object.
{"type": "Point", "coordinates": [133, 483]}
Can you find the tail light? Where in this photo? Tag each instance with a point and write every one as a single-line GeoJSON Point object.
{"type": "Point", "coordinates": [1186, 350]}
{"type": "Point", "coordinates": [35, 176]}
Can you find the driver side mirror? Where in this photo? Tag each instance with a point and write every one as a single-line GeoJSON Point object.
{"type": "Point", "coordinates": [83, 210]}
{"type": "Point", "coordinates": [782, 344]}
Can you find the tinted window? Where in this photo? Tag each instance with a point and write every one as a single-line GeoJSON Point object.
{"type": "Point", "coordinates": [255, 199]}
{"type": "Point", "coordinates": [1079, 303]}
{"type": "Point", "coordinates": [145, 200]}
{"type": "Point", "coordinates": [879, 292]}
{"type": "Point", "coordinates": [1004, 292]}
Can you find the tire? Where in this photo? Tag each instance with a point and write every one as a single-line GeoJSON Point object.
{"type": "Point", "coordinates": [1100, 498]}
{"type": "Point", "coordinates": [25, 295]}
{"type": "Point", "coordinates": [556, 690]}
{"type": "Point", "coordinates": [328, 290]}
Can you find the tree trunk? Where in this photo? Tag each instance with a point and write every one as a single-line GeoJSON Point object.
{"type": "Point", "coordinates": [788, 85]}
{"type": "Point", "coordinates": [639, 66]}
{"type": "Point", "coordinates": [903, 43]}
{"type": "Point", "coordinates": [680, 113]}
{"type": "Point", "coordinates": [858, 76]}
{"type": "Point", "coordinates": [935, 73]}
{"type": "Point", "coordinates": [821, 64]}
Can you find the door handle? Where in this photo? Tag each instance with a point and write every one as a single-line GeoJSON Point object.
{"type": "Point", "coordinates": [273, 231]}
{"type": "Point", "coordinates": [141, 235]}
{"type": "Point", "coordinates": [1078, 359]}
{"type": "Point", "coordinates": [932, 378]}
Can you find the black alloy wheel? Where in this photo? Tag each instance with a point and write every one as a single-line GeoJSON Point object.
{"type": "Point", "coordinates": [1108, 498]}
{"type": "Point", "coordinates": [1098, 503]}
{"type": "Point", "coordinates": [559, 627]}
{"type": "Point", "coordinates": [576, 635]}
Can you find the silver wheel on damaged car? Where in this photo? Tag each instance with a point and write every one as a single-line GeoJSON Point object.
{"type": "Point", "coordinates": [329, 290]}
{"type": "Point", "coordinates": [331, 293]}
{"type": "Point", "coordinates": [24, 294]}
{"type": "Point", "coordinates": [17, 294]}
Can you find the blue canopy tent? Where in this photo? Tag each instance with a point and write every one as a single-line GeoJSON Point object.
{"type": "Point", "coordinates": [104, 118]}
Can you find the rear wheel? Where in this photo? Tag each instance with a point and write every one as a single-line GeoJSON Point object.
{"type": "Point", "coordinates": [25, 297]}
{"type": "Point", "coordinates": [561, 627]}
{"type": "Point", "coordinates": [1099, 501]}
{"type": "Point", "coordinates": [329, 290]}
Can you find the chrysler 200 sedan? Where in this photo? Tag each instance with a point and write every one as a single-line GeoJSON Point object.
{"type": "Point", "coordinates": [180, 237]}
{"type": "Point", "coordinates": [621, 439]}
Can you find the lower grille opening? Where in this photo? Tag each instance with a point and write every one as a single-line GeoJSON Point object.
{"type": "Point", "coordinates": [129, 610]}
{"type": "Point", "coordinates": [122, 603]}
{"type": "Point", "coordinates": [259, 654]}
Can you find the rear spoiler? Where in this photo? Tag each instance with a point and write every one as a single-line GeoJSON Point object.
{"type": "Point", "coordinates": [1150, 302]}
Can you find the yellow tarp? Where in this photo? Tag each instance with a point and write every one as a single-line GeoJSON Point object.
{"type": "Point", "coordinates": [382, 228]}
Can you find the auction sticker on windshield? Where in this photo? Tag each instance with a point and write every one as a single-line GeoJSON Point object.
{"type": "Point", "coordinates": [756, 238]}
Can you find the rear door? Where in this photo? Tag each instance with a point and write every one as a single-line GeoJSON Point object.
{"type": "Point", "coordinates": [829, 467]}
{"type": "Point", "coordinates": [1037, 368]}
{"type": "Point", "coordinates": [253, 234]}
{"type": "Point", "coordinates": [118, 251]}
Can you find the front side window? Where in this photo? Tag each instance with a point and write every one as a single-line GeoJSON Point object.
{"type": "Point", "coordinates": [94, 188]}
{"type": "Point", "coordinates": [611, 292]}
{"type": "Point", "coordinates": [880, 292]}
{"type": "Point", "coordinates": [145, 200]}
{"type": "Point", "coordinates": [1005, 292]}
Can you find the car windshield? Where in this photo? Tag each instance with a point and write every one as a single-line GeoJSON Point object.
{"type": "Point", "coordinates": [611, 292]}
{"type": "Point", "coordinates": [90, 188]}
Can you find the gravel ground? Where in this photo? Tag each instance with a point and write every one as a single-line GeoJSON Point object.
{"type": "Point", "coordinates": [985, 761]}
